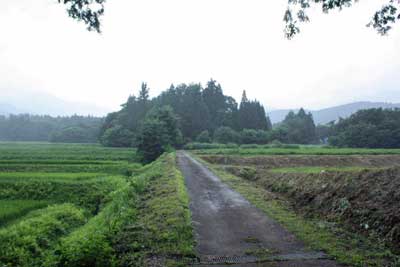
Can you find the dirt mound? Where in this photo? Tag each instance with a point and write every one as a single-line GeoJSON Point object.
{"type": "Point", "coordinates": [269, 162]}
{"type": "Point", "coordinates": [367, 201]}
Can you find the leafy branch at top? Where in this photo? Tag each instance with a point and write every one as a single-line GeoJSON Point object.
{"type": "Point", "coordinates": [296, 13]}
{"type": "Point", "coordinates": [88, 11]}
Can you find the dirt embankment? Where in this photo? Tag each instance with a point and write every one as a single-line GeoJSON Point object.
{"type": "Point", "coordinates": [367, 201]}
{"type": "Point", "coordinates": [270, 162]}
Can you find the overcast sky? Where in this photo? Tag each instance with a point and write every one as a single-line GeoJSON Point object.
{"type": "Point", "coordinates": [240, 43]}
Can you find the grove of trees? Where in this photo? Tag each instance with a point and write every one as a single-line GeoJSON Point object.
{"type": "Point", "coordinates": [370, 128]}
{"type": "Point", "coordinates": [199, 112]}
{"type": "Point", "coordinates": [74, 129]}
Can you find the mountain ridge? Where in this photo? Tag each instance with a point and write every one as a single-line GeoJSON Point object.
{"type": "Point", "coordinates": [41, 103]}
{"type": "Point", "coordinates": [326, 115]}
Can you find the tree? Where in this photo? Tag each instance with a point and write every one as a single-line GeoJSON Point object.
{"type": "Point", "coordinates": [299, 128]}
{"type": "Point", "coordinates": [204, 137]}
{"type": "Point", "coordinates": [296, 13]}
{"type": "Point", "coordinates": [370, 128]}
{"type": "Point", "coordinates": [251, 136]}
{"type": "Point", "coordinates": [159, 133]}
{"type": "Point", "coordinates": [252, 115]}
{"type": "Point", "coordinates": [130, 116]}
{"type": "Point", "coordinates": [88, 11]}
{"type": "Point", "coordinates": [214, 99]}
{"type": "Point", "coordinates": [225, 135]}
{"type": "Point", "coordinates": [117, 136]}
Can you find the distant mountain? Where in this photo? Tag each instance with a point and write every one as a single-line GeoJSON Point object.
{"type": "Point", "coordinates": [35, 102]}
{"type": "Point", "coordinates": [326, 115]}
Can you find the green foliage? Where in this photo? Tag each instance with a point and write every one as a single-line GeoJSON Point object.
{"type": "Point", "coordinates": [63, 174]}
{"type": "Point", "coordinates": [296, 129]}
{"type": "Point", "coordinates": [159, 133]}
{"type": "Point", "coordinates": [90, 245]}
{"type": "Point", "coordinates": [204, 137]}
{"type": "Point", "coordinates": [88, 11]}
{"type": "Point", "coordinates": [77, 152]}
{"type": "Point", "coordinates": [74, 129]}
{"type": "Point", "coordinates": [296, 13]}
{"type": "Point", "coordinates": [197, 109]}
{"type": "Point", "coordinates": [251, 136]}
{"type": "Point", "coordinates": [13, 209]}
{"type": "Point", "coordinates": [75, 134]}
{"type": "Point", "coordinates": [91, 194]}
{"type": "Point", "coordinates": [371, 128]}
{"type": "Point", "coordinates": [225, 135]}
{"type": "Point", "coordinates": [117, 136]}
{"type": "Point", "coordinates": [27, 243]}
{"type": "Point", "coordinates": [196, 146]}
{"type": "Point", "coordinates": [252, 115]}
{"type": "Point", "coordinates": [163, 228]}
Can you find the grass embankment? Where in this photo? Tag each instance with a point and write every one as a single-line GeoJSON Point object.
{"type": "Point", "coordinates": [345, 246]}
{"type": "Point", "coordinates": [162, 233]}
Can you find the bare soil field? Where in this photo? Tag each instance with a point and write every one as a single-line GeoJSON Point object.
{"type": "Point", "coordinates": [366, 201]}
{"type": "Point", "coordinates": [278, 161]}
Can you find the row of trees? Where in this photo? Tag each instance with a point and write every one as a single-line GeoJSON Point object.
{"type": "Point", "coordinates": [295, 129]}
{"type": "Point", "coordinates": [197, 109]}
{"type": "Point", "coordinates": [74, 129]}
{"type": "Point", "coordinates": [370, 128]}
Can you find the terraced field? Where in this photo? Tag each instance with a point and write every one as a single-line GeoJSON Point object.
{"type": "Point", "coordinates": [73, 205]}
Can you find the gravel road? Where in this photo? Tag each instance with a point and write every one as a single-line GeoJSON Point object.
{"type": "Point", "coordinates": [229, 229]}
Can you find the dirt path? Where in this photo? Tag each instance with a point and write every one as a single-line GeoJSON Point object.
{"type": "Point", "coordinates": [230, 230]}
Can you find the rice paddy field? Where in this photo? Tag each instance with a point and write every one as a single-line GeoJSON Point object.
{"type": "Point", "coordinates": [78, 205]}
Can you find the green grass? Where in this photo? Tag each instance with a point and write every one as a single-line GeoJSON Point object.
{"type": "Point", "coordinates": [303, 150]}
{"type": "Point", "coordinates": [43, 176]}
{"type": "Point", "coordinates": [110, 210]}
{"type": "Point", "coordinates": [344, 246]}
{"type": "Point", "coordinates": [163, 229]}
{"type": "Point", "coordinates": [14, 209]}
{"type": "Point", "coordinates": [28, 242]}
{"type": "Point", "coordinates": [91, 194]}
{"type": "Point", "coordinates": [320, 169]}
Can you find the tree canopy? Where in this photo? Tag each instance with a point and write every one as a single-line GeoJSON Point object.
{"type": "Point", "coordinates": [90, 12]}
{"type": "Point", "coordinates": [296, 13]}
{"type": "Point", "coordinates": [199, 111]}
{"type": "Point", "coordinates": [371, 128]}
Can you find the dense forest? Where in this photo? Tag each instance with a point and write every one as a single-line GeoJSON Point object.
{"type": "Point", "coordinates": [198, 110]}
{"type": "Point", "coordinates": [74, 129]}
{"type": "Point", "coordinates": [191, 113]}
{"type": "Point", "coordinates": [372, 128]}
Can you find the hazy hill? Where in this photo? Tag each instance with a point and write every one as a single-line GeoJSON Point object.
{"type": "Point", "coordinates": [34, 102]}
{"type": "Point", "coordinates": [326, 115]}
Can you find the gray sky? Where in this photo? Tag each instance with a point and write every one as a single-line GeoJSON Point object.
{"type": "Point", "coordinates": [335, 59]}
